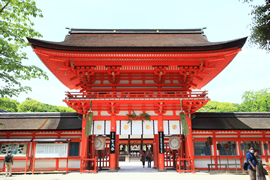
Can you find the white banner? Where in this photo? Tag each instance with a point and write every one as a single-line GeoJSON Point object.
{"type": "Point", "coordinates": [165, 127]}
{"type": "Point", "coordinates": [99, 127]}
{"type": "Point", "coordinates": [125, 127]}
{"type": "Point", "coordinates": [174, 127]}
{"type": "Point", "coordinates": [51, 150]}
{"type": "Point", "coordinates": [108, 127]}
{"type": "Point", "coordinates": [148, 127]}
{"type": "Point", "coordinates": [170, 127]}
{"type": "Point", "coordinates": [137, 127]}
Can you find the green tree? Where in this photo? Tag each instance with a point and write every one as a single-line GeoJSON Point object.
{"type": "Point", "coordinates": [260, 25]}
{"type": "Point", "coordinates": [215, 106]}
{"type": "Point", "coordinates": [256, 101]}
{"type": "Point", "coordinates": [31, 106]}
{"type": "Point", "coordinates": [10, 105]}
{"type": "Point", "coordinates": [50, 108]}
{"type": "Point", "coordinates": [15, 26]}
{"type": "Point", "coordinates": [65, 109]}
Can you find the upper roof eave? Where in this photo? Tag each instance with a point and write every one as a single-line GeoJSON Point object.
{"type": "Point", "coordinates": [213, 46]}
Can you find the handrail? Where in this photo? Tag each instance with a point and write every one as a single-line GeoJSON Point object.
{"type": "Point", "coordinates": [50, 158]}
{"type": "Point", "coordinates": [83, 162]}
{"type": "Point", "coordinates": [184, 160]}
{"type": "Point", "coordinates": [137, 94]}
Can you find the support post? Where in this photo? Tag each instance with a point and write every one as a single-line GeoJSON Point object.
{"type": "Point", "coordinates": [189, 144]}
{"type": "Point", "coordinates": [67, 157]}
{"type": "Point", "coordinates": [34, 157]}
{"type": "Point", "coordinates": [117, 151]}
{"type": "Point", "coordinates": [129, 145]}
{"type": "Point", "coordinates": [160, 144]}
{"type": "Point", "coordinates": [84, 142]}
{"type": "Point", "coordinates": [155, 154]}
{"type": "Point", "coordinates": [92, 150]}
{"type": "Point", "coordinates": [142, 142]}
{"type": "Point", "coordinates": [113, 148]}
{"type": "Point", "coordinates": [27, 156]}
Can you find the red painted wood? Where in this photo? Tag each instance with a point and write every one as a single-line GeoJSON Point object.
{"type": "Point", "coordinates": [113, 156]}
{"type": "Point", "coordinates": [70, 67]}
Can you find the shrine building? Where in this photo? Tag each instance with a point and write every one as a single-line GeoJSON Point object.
{"type": "Point", "coordinates": [153, 76]}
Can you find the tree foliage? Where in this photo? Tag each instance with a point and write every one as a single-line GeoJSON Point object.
{"type": "Point", "coordinates": [15, 26]}
{"type": "Point", "coordinates": [253, 101]}
{"type": "Point", "coordinates": [10, 105]}
{"type": "Point", "coordinates": [256, 101]}
{"type": "Point", "coordinates": [260, 25]}
{"type": "Point", "coordinates": [215, 106]}
{"type": "Point", "coordinates": [65, 109]}
{"type": "Point", "coordinates": [31, 105]}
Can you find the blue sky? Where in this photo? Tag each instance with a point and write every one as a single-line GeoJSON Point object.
{"type": "Point", "coordinates": [225, 20]}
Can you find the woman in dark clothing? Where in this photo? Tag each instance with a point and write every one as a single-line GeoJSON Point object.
{"type": "Point", "coordinates": [259, 168]}
{"type": "Point", "coordinates": [149, 158]}
{"type": "Point", "coordinates": [143, 158]}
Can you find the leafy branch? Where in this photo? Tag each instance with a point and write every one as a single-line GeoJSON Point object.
{"type": "Point", "coordinates": [143, 117]}
{"type": "Point", "coordinates": [16, 24]}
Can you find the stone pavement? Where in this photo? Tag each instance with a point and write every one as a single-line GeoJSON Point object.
{"type": "Point", "coordinates": [130, 171]}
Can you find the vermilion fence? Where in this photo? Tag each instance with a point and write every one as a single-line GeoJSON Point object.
{"type": "Point", "coordinates": [83, 165]}
{"type": "Point", "coordinates": [185, 165]}
{"type": "Point", "coordinates": [137, 94]}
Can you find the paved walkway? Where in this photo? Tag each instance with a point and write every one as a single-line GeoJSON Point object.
{"type": "Point", "coordinates": [130, 171]}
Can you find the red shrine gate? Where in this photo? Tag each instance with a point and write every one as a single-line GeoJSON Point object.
{"type": "Point", "coordinates": [136, 70]}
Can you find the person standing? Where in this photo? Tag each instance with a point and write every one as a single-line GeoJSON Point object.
{"type": "Point", "coordinates": [252, 161]}
{"type": "Point", "coordinates": [260, 174]}
{"type": "Point", "coordinates": [143, 158]}
{"type": "Point", "coordinates": [149, 158]}
{"type": "Point", "coordinates": [8, 162]}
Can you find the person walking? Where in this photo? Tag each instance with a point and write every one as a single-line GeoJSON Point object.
{"type": "Point", "coordinates": [149, 159]}
{"type": "Point", "coordinates": [252, 161]}
{"type": "Point", "coordinates": [8, 162]}
{"type": "Point", "coordinates": [260, 171]}
{"type": "Point", "coordinates": [143, 158]}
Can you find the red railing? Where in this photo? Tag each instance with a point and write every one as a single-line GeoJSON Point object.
{"type": "Point", "coordinates": [138, 94]}
{"type": "Point", "coordinates": [15, 159]}
{"type": "Point", "coordinates": [185, 165]}
{"type": "Point", "coordinates": [51, 169]}
{"type": "Point", "coordinates": [83, 165]}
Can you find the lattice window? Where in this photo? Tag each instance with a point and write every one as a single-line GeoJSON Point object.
{"type": "Point", "coordinates": [169, 156]}
{"type": "Point", "coordinates": [103, 157]}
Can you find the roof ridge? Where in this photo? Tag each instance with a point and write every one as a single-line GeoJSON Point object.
{"type": "Point", "coordinates": [136, 31]}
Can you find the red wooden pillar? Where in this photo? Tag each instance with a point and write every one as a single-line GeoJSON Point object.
{"type": "Point", "coordinates": [155, 151]}
{"type": "Point", "coordinates": [113, 148]}
{"type": "Point", "coordinates": [189, 150]}
{"type": "Point", "coordinates": [92, 145]}
{"type": "Point", "coordinates": [27, 156]}
{"type": "Point", "coordinates": [117, 150]}
{"type": "Point", "coordinates": [34, 156]}
{"type": "Point", "coordinates": [160, 144]}
{"type": "Point", "coordinates": [215, 151]}
{"type": "Point", "coordinates": [67, 157]}
{"type": "Point", "coordinates": [240, 152]}
{"type": "Point", "coordinates": [84, 141]}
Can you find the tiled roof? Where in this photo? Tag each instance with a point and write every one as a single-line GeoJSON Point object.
{"type": "Point", "coordinates": [231, 121]}
{"type": "Point", "coordinates": [40, 121]}
{"type": "Point", "coordinates": [136, 39]}
{"type": "Point", "coordinates": [2, 110]}
{"type": "Point", "coordinates": [70, 121]}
